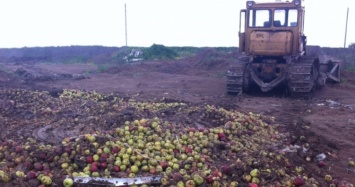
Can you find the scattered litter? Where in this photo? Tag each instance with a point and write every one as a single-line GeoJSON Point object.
{"type": "Point", "coordinates": [117, 181]}
{"type": "Point", "coordinates": [291, 149]}
{"type": "Point", "coordinates": [332, 155]}
{"type": "Point", "coordinates": [321, 157]}
{"type": "Point", "coordinates": [350, 107]}
{"type": "Point", "coordinates": [349, 170]}
{"type": "Point", "coordinates": [352, 121]}
{"type": "Point", "coordinates": [332, 103]}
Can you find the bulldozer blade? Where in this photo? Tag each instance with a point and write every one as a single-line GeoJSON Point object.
{"type": "Point", "coordinates": [98, 181]}
{"type": "Point", "coordinates": [334, 74]}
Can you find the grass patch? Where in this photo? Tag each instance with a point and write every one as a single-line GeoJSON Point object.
{"type": "Point", "coordinates": [350, 68]}
{"type": "Point", "coordinates": [159, 52]}
{"type": "Point", "coordinates": [77, 60]}
{"type": "Point", "coordinates": [3, 69]}
{"type": "Point", "coordinates": [140, 74]}
{"type": "Point", "coordinates": [220, 74]}
{"type": "Point", "coordinates": [102, 68]}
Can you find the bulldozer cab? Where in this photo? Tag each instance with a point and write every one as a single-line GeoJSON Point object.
{"type": "Point", "coordinates": [272, 29]}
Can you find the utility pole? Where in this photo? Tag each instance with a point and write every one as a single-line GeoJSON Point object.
{"type": "Point", "coordinates": [125, 16]}
{"type": "Point", "coordinates": [346, 27]}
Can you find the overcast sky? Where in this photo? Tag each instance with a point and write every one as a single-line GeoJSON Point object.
{"type": "Point", "coordinates": [212, 23]}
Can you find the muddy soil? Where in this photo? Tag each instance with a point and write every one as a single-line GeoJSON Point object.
{"type": "Point", "coordinates": [326, 121]}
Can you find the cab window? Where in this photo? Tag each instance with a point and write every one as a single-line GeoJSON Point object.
{"type": "Point", "coordinates": [292, 18]}
{"type": "Point", "coordinates": [285, 18]}
{"type": "Point", "coordinates": [279, 18]}
{"type": "Point", "coordinates": [259, 18]}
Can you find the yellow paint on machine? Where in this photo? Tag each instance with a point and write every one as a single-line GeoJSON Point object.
{"type": "Point", "coordinates": [271, 43]}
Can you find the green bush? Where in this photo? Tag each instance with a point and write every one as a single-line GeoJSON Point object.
{"type": "Point", "coordinates": [159, 52]}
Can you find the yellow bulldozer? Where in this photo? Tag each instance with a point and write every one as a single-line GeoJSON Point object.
{"type": "Point", "coordinates": [273, 51]}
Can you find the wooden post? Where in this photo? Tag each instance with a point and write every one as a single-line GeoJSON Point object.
{"type": "Point", "coordinates": [125, 16]}
{"type": "Point", "coordinates": [346, 27]}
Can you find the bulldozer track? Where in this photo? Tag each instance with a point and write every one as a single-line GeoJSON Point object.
{"type": "Point", "coordinates": [235, 76]}
{"type": "Point", "coordinates": [303, 76]}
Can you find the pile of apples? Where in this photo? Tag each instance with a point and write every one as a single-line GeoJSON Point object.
{"type": "Point", "coordinates": [234, 149]}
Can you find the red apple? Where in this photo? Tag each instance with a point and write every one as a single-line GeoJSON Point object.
{"type": "Point", "coordinates": [209, 179]}
{"type": "Point", "coordinates": [321, 164]}
{"type": "Point", "coordinates": [67, 150]}
{"type": "Point", "coordinates": [164, 164]}
{"type": "Point", "coordinates": [104, 156]}
{"type": "Point", "coordinates": [89, 159]}
{"type": "Point", "coordinates": [18, 149]}
{"type": "Point", "coordinates": [176, 151]}
{"type": "Point", "coordinates": [28, 164]}
{"type": "Point", "coordinates": [93, 168]}
{"type": "Point", "coordinates": [298, 181]}
{"type": "Point", "coordinates": [115, 149]}
{"type": "Point", "coordinates": [226, 170]}
{"type": "Point", "coordinates": [95, 164]}
{"type": "Point", "coordinates": [103, 165]}
{"type": "Point", "coordinates": [217, 173]}
{"type": "Point", "coordinates": [221, 136]}
{"type": "Point", "coordinates": [46, 168]}
{"type": "Point", "coordinates": [177, 176]}
{"type": "Point", "coordinates": [59, 150]}
{"type": "Point", "coordinates": [188, 150]}
{"type": "Point", "coordinates": [49, 158]}
{"type": "Point", "coordinates": [38, 166]}
{"type": "Point", "coordinates": [31, 175]}
{"type": "Point", "coordinates": [116, 169]}
{"type": "Point", "coordinates": [102, 159]}
{"type": "Point", "coordinates": [42, 156]}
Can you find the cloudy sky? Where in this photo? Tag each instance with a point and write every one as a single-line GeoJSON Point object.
{"type": "Point", "coordinates": [169, 22]}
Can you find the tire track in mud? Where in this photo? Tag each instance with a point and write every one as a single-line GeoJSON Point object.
{"type": "Point", "coordinates": [52, 133]}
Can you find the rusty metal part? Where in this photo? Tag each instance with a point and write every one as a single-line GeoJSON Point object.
{"type": "Point", "coordinates": [268, 74]}
{"type": "Point", "coordinates": [267, 86]}
{"type": "Point", "coordinates": [98, 181]}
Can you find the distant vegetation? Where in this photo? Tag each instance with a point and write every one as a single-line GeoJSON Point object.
{"type": "Point", "coordinates": [68, 54]}
{"type": "Point", "coordinates": [118, 55]}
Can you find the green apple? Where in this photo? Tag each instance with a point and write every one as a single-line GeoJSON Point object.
{"type": "Point", "coordinates": [68, 182]}
{"type": "Point", "coordinates": [254, 172]}
{"type": "Point", "coordinates": [46, 180]}
{"type": "Point", "coordinates": [134, 169]}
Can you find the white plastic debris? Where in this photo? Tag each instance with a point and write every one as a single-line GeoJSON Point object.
{"type": "Point", "coordinates": [321, 157]}
{"type": "Point", "coordinates": [332, 103]}
{"type": "Point", "coordinates": [291, 149]}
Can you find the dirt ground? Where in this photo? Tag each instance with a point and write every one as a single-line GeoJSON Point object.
{"type": "Point", "coordinates": [326, 121]}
